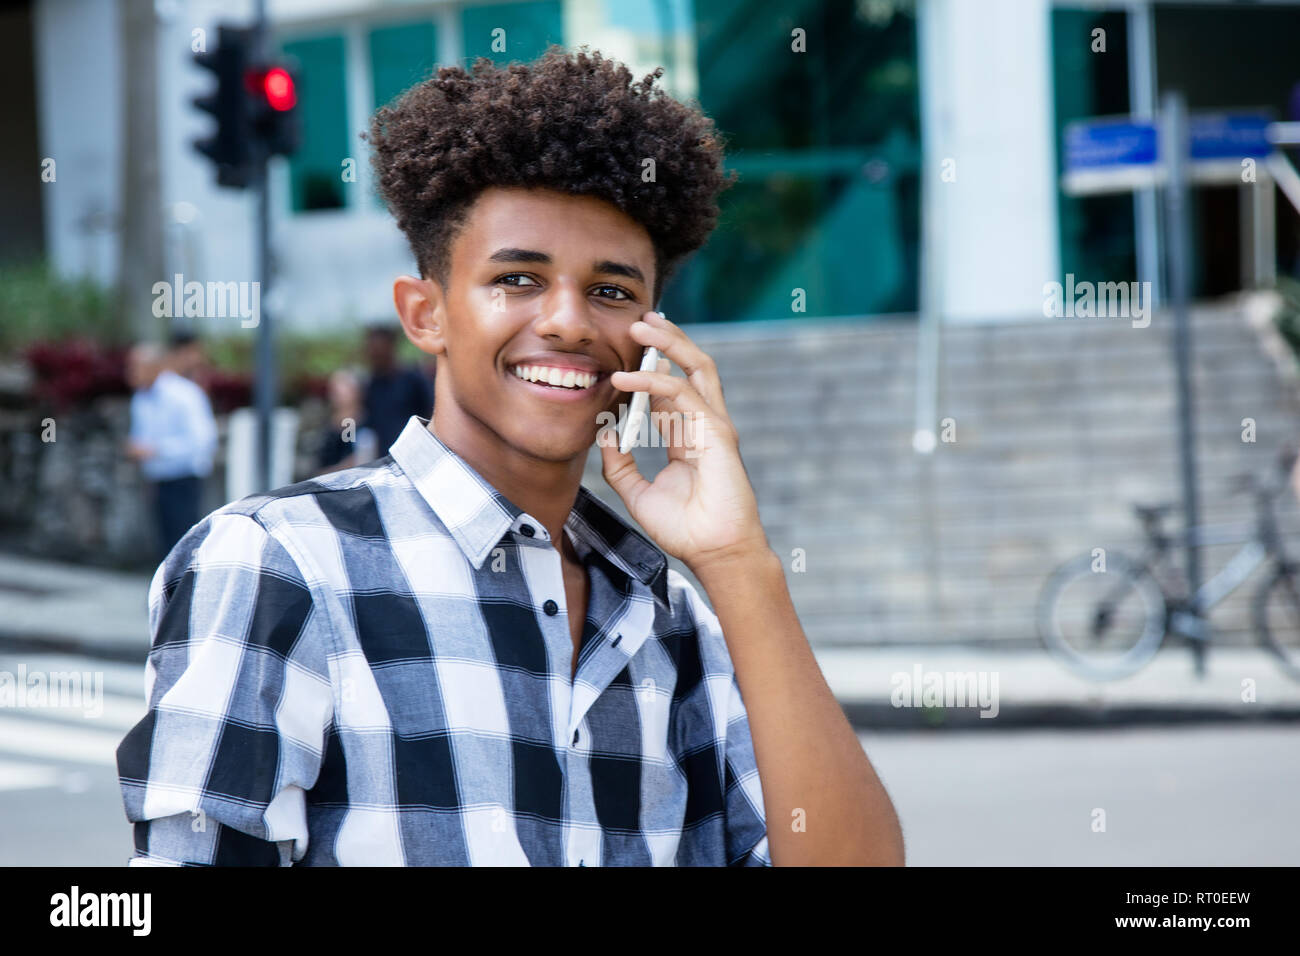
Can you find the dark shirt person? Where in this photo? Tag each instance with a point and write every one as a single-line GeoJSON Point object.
{"type": "Point", "coordinates": [347, 440]}
{"type": "Point", "coordinates": [187, 358]}
{"type": "Point", "coordinates": [393, 393]}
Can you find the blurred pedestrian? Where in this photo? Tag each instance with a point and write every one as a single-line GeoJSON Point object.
{"type": "Point", "coordinates": [347, 439]}
{"type": "Point", "coordinates": [394, 393]}
{"type": "Point", "coordinates": [187, 358]}
{"type": "Point", "coordinates": [173, 436]}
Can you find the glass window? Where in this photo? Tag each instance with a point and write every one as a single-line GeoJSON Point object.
{"type": "Point", "coordinates": [828, 199]}
{"type": "Point", "coordinates": [1229, 60]}
{"type": "Point", "coordinates": [315, 171]}
{"type": "Point", "coordinates": [401, 56]}
{"type": "Point", "coordinates": [1097, 232]}
{"type": "Point", "coordinates": [525, 30]}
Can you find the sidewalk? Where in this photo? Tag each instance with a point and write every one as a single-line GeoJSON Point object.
{"type": "Point", "coordinates": [45, 606]}
{"type": "Point", "coordinates": [69, 608]}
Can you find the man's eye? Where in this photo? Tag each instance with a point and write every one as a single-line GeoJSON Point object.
{"type": "Point", "coordinates": [505, 280]}
{"type": "Point", "coordinates": [621, 292]}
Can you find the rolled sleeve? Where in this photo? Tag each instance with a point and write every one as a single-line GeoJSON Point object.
{"type": "Point", "coordinates": [239, 701]}
{"type": "Point", "coordinates": [746, 820]}
{"type": "Point", "coordinates": [745, 828]}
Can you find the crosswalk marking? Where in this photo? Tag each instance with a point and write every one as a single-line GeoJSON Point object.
{"type": "Point", "coordinates": [111, 712]}
{"type": "Point", "coordinates": [62, 741]}
{"type": "Point", "coordinates": [40, 746]}
{"type": "Point", "coordinates": [15, 775]}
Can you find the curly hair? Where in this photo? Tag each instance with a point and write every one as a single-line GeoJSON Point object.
{"type": "Point", "coordinates": [574, 123]}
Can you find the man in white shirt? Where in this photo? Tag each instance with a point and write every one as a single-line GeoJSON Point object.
{"type": "Point", "coordinates": [173, 436]}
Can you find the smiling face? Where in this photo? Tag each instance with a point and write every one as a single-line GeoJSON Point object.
{"type": "Point", "coordinates": [544, 284]}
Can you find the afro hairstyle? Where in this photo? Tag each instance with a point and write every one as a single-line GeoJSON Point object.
{"type": "Point", "coordinates": [572, 122]}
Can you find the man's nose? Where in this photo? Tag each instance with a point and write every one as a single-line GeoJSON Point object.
{"type": "Point", "coordinates": [566, 313]}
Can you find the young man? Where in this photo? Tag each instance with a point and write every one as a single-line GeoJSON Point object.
{"type": "Point", "coordinates": [458, 655]}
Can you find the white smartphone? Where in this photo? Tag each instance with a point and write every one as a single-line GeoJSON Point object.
{"type": "Point", "coordinates": [640, 403]}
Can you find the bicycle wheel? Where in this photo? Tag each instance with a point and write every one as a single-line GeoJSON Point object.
{"type": "Point", "coordinates": [1102, 625]}
{"type": "Point", "coordinates": [1277, 619]}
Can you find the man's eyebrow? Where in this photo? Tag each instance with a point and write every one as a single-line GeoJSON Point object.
{"type": "Point", "coordinates": [605, 266]}
{"type": "Point", "coordinates": [511, 254]}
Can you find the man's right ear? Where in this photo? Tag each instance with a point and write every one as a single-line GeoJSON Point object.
{"type": "Point", "coordinates": [421, 307]}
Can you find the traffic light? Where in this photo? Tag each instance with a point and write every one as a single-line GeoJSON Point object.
{"type": "Point", "coordinates": [230, 146]}
{"type": "Point", "coordinates": [276, 126]}
{"type": "Point", "coordinates": [255, 105]}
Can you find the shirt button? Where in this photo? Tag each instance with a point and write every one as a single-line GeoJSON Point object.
{"type": "Point", "coordinates": [527, 530]}
{"type": "Point", "coordinates": [550, 607]}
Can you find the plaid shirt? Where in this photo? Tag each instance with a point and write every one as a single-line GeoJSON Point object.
{"type": "Point", "coordinates": [373, 667]}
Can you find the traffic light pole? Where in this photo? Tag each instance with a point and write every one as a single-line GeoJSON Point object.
{"type": "Point", "coordinates": [264, 380]}
{"type": "Point", "coordinates": [264, 383]}
{"type": "Point", "coordinates": [254, 105]}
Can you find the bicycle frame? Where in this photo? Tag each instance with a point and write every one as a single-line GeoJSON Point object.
{"type": "Point", "coordinates": [1242, 564]}
{"type": "Point", "coordinates": [1261, 540]}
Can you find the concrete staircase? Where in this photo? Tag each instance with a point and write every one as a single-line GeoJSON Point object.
{"type": "Point", "coordinates": [1059, 426]}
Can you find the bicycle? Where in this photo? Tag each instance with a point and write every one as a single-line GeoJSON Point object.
{"type": "Point", "coordinates": [1104, 615]}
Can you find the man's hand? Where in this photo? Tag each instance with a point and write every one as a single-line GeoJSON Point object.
{"type": "Point", "coordinates": [138, 451]}
{"type": "Point", "coordinates": [701, 508]}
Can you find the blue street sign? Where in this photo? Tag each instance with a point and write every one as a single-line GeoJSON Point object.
{"type": "Point", "coordinates": [1090, 144]}
{"type": "Point", "coordinates": [1116, 153]}
{"type": "Point", "coordinates": [1230, 136]}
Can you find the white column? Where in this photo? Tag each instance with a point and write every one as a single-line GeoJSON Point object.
{"type": "Point", "coordinates": [986, 106]}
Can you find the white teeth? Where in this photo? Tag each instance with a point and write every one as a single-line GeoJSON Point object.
{"type": "Point", "coordinates": [564, 378]}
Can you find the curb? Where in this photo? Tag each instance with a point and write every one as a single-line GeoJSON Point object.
{"type": "Point", "coordinates": [873, 716]}
{"type": "Point", "coordinates": [28, 643]}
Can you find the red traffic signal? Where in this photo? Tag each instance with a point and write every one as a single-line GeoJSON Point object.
{"type": "Point", "coordinates": [255, 105]}
{"type": "Point", "coordinates": [273, 95]}
{"type": "Point", "coordinates": [279, 89]}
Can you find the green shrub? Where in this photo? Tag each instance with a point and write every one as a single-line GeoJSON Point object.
{"type": "Point", "coordinates": [304, 359]}
{"type": "Point", "coordinates": [36, 304]}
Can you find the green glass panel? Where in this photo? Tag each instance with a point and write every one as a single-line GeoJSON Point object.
{"type": "Point", "coordinates": [401, 56]}
{"type": "Point", "coordinates": [527, 29]}
{"type": "Point", "coordinates": [828, 200]}
{"type": "Point", "coordinates": [1097, 233]}
{"type": "Point", "coordinates": [315, 171]}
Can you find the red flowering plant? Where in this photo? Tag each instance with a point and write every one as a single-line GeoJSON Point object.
{"type": "Point", "coordinates": [66, 331]}
{"type": "Point", "coordinates": [228, 390]}
{"type": "Point", "coordinates": [73, 372]}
